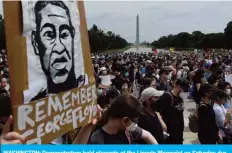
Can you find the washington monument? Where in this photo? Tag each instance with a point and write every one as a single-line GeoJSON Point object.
{"type": "Point", "coordinates": [137, 31]}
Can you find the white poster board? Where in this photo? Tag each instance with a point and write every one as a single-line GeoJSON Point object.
{"type": "Point", "coordinates": [54, 51]}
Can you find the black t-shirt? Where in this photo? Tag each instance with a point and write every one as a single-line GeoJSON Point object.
{"type": "Point", "coordinates": [196, 93]}
{"type": "Point", "coordinates": [172, 114]}
{"type": "Point", "coordinates": [102, 137]}
{"type": "Point", "coordinates": [118, 82]}
{"type": "Point", "coordinates": [138, 77]}
{"type": "Point", "coordinates": [131, 74]}
{"type": "Point", "coordinates": [152, 125]}
{"type": "Point", "coordinates": [207, 127]}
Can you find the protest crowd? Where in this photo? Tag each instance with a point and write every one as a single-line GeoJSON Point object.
{"type": "Point", "coordinates": [141, 99]}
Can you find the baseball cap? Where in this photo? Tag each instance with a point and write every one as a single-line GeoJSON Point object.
{"type": "Point", "coordinates": [148, 61]}
{"type": "Point", "coordinates": [103, 68]}
{"type": "Point", "coordinates": [150, 92]}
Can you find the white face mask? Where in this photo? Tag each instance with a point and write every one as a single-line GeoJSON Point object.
{"type": "Point", "coordinates": [104, 72]}
{"type": "Point", "coordinates": [100, 92]}
{"type": "Point", "coordinates": [169, 77]}
{"type": "Point", "coordinates": [183, 95]}
{"type": "Point", "coordinates": [131, 127]}
{"type": "Point", "coordinates": [228, 91]}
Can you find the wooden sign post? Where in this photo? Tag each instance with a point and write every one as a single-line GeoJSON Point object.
{"type": "Point", "coordinates": [38, 36]}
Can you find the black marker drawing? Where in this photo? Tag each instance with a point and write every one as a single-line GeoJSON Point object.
{"type": "Point", "coordinates": [52, 40]}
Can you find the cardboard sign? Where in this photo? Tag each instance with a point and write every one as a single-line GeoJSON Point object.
{"type": "Point", "coordinates": [52, 80]}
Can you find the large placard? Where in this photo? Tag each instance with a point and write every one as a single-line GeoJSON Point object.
{"type": "Point", "coordinates": [52, 80]}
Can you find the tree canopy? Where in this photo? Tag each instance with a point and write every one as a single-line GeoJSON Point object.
{"type": "Point", "coordinates": [196, 39]}
{"type": "Point", "coordinates": [100, 40]}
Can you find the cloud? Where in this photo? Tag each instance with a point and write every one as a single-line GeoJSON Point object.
{"type": "Point", "coordinates": [158, 18]}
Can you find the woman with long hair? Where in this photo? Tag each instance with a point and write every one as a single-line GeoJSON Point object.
{"type": "Point", "coordinates": [120, 124]}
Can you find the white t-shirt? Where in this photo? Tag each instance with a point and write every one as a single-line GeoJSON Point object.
{"type": "Point", "coordinates": [220, 115]}
{"type": "Point", "coordinates": [106, 80]}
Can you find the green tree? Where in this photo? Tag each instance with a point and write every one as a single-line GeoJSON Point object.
{"type": "Point", "coordinates": [228, 34]}
{"type": "Point", "coordinates": [100, 41]}
{"type": "Point", "coordinates": [197, 39]}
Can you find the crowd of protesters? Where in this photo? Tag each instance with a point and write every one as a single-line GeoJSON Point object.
{"type": "Point", "coordinates": [5, 108]}
{"type": "Point", "coordinates": [141, 99]}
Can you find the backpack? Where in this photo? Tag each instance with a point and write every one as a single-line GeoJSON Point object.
{"type": "Point", "coordinates": [193, 120]}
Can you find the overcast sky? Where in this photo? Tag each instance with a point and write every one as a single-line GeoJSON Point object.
{"type": "Point", "coordinates": [1, 10]}
{"type": "Point", "coordinates": [157, 18]}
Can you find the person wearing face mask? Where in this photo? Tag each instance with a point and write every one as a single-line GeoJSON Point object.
{"type": "Point", "coordinates": [171, 107]}
{"type": "Point", "coordinates": [221, 114]}
{"type": "Point", "coordinates": [226, 87]}
{"type": "Point", "coordinates": [120, 80]}
{"type": "Point", "coordinates": [208, 132]}
{"type": "Point", "coordinates": [149, 68]}
{"type": "Point", "coordinates": [105, 77]}
{"type": "Point", "coordinates": [163, 83]}
{"type": "Point", "coordinates": [126, 74]}
{"type": "Point", "coordinates": [121, 126]}
{"type": "Point", "coordinates": [149, 119]}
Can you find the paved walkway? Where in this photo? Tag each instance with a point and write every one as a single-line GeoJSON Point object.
{"type": "Point", "coordinates": [144, 50]}
{"type": "Point", "coordinates": [139, 50]}
{"type": "Point", "coordinates": [190, 138]}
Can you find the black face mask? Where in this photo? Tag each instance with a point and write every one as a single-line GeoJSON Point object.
{"type": "Point", "coordinates": [161, 104]}
{"type": "Point", "coordinates": [155, 105]}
